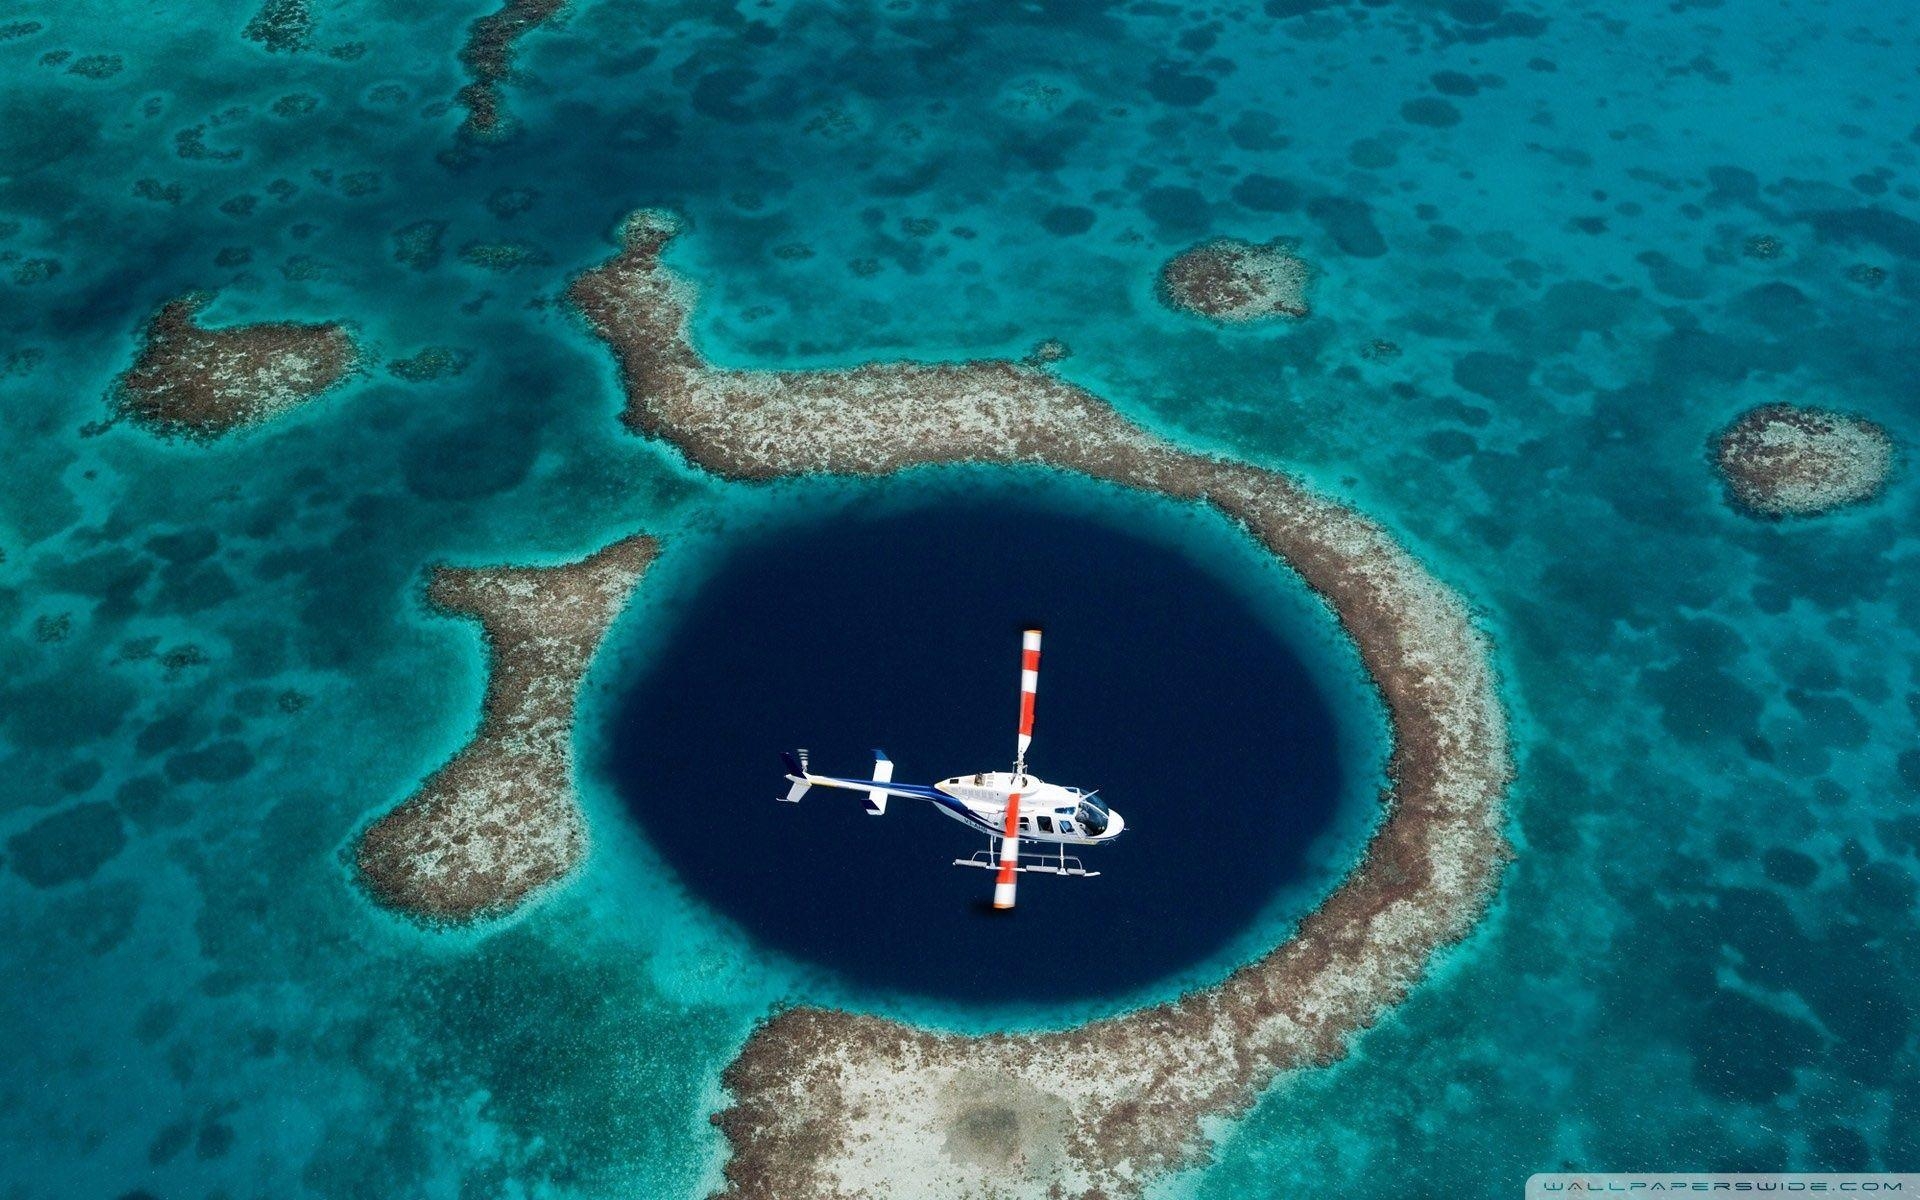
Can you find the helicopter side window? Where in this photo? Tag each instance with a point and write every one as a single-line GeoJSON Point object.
{"type": "Point", "coordinates": [1046, 824]}
{"type": "Point", "coordinates": [1025, 824]}
{"type": "Point", "coordinates": [1066, 826]}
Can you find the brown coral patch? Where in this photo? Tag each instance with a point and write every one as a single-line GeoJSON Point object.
{"type": "Point", "coordinates": [1781, 460]}
{"type": "Point", "coordinates": [488, 57]}
{"type": "Point", "coordinates": [500, 819]}
{"type": "Point", "coordinates": [1235, 282]}
{"type": "Point", "coordinates": [194, 382]}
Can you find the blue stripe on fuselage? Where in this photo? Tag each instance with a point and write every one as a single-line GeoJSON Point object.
{"type": "Point", "coordinates": [922, 791]}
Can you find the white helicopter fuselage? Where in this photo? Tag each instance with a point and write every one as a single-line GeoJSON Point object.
{"type": "Point", "coordinates": [1047, 812]}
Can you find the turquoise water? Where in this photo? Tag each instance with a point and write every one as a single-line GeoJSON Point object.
{"type": "Point", "coordinates": [215, 665]}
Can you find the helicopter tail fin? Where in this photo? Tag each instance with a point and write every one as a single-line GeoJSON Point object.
{"type": "Point", "coordinates": [882, 773]}
{"type": "Point", "coordinates": [797, 773]}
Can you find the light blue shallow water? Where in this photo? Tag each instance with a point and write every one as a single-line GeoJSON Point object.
{"type": "Point", "coordinates": [1702, 955]}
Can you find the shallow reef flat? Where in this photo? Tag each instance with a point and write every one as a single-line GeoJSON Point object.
{"type": "Point", "coordinates": [500, 820]}
{"type": "Point", "coordinates": [488, 57]}
{"type": "Point", "coordinates": [1236, 282]}
{"type": "Point", "coordinates": [829, 1103]}
{"type": "Point", "coordinates": [1782, 460]}
{"type": "Point", "coordinates": [200, 383]}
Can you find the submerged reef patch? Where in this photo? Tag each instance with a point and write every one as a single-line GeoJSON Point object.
{"type": "Point", "coordinates": [1236, 282]}
{"type": "Point", "coordinates": [199, 383]}
{"type": "Point", "coordinates": [488, 57]}
{"type": "Point", "coordinates": [282, 26]}
{"type": "Point", "coordinates": [831, 1103]}
{"type": "Point", "coordinates": [500, 819]}
{"type": "Point", "coordinates": [68, 845]}
{"type": "Point", "coordinates": [1783, 460]}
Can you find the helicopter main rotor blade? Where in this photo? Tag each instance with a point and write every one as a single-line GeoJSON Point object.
{"type": "Point", "coordinates": [1009, 855]}
{"type": "Point", "coordinates": [1029, 684]}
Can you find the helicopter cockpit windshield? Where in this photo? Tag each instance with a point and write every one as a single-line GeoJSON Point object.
{"type": "Point", "coordinates": [1092, 814]}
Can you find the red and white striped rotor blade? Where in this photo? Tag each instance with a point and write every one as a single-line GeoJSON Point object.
{"type": "Point", "coordinates": [1009, 856]}
{"type": "Point", "coordinates": [1029, 684]}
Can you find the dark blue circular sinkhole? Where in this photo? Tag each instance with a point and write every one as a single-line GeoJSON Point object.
{"type": "Point", "coordinates": [1169, 684]}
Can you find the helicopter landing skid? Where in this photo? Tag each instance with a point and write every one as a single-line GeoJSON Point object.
{"type": "Point", "coordinates": [1064, 864]}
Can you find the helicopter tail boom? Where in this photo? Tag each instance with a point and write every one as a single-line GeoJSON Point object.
{"type": "Point", "coordinates": [802, 779]}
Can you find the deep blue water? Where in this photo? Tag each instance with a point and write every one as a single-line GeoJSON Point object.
{"type": "Point", "coordinates": [1163, 683]}
{"type": "Point", "coordinates": [1557, 247]}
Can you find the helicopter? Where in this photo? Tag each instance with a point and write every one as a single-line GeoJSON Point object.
{"type": "Point", "coordinates": [1010, 807]}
